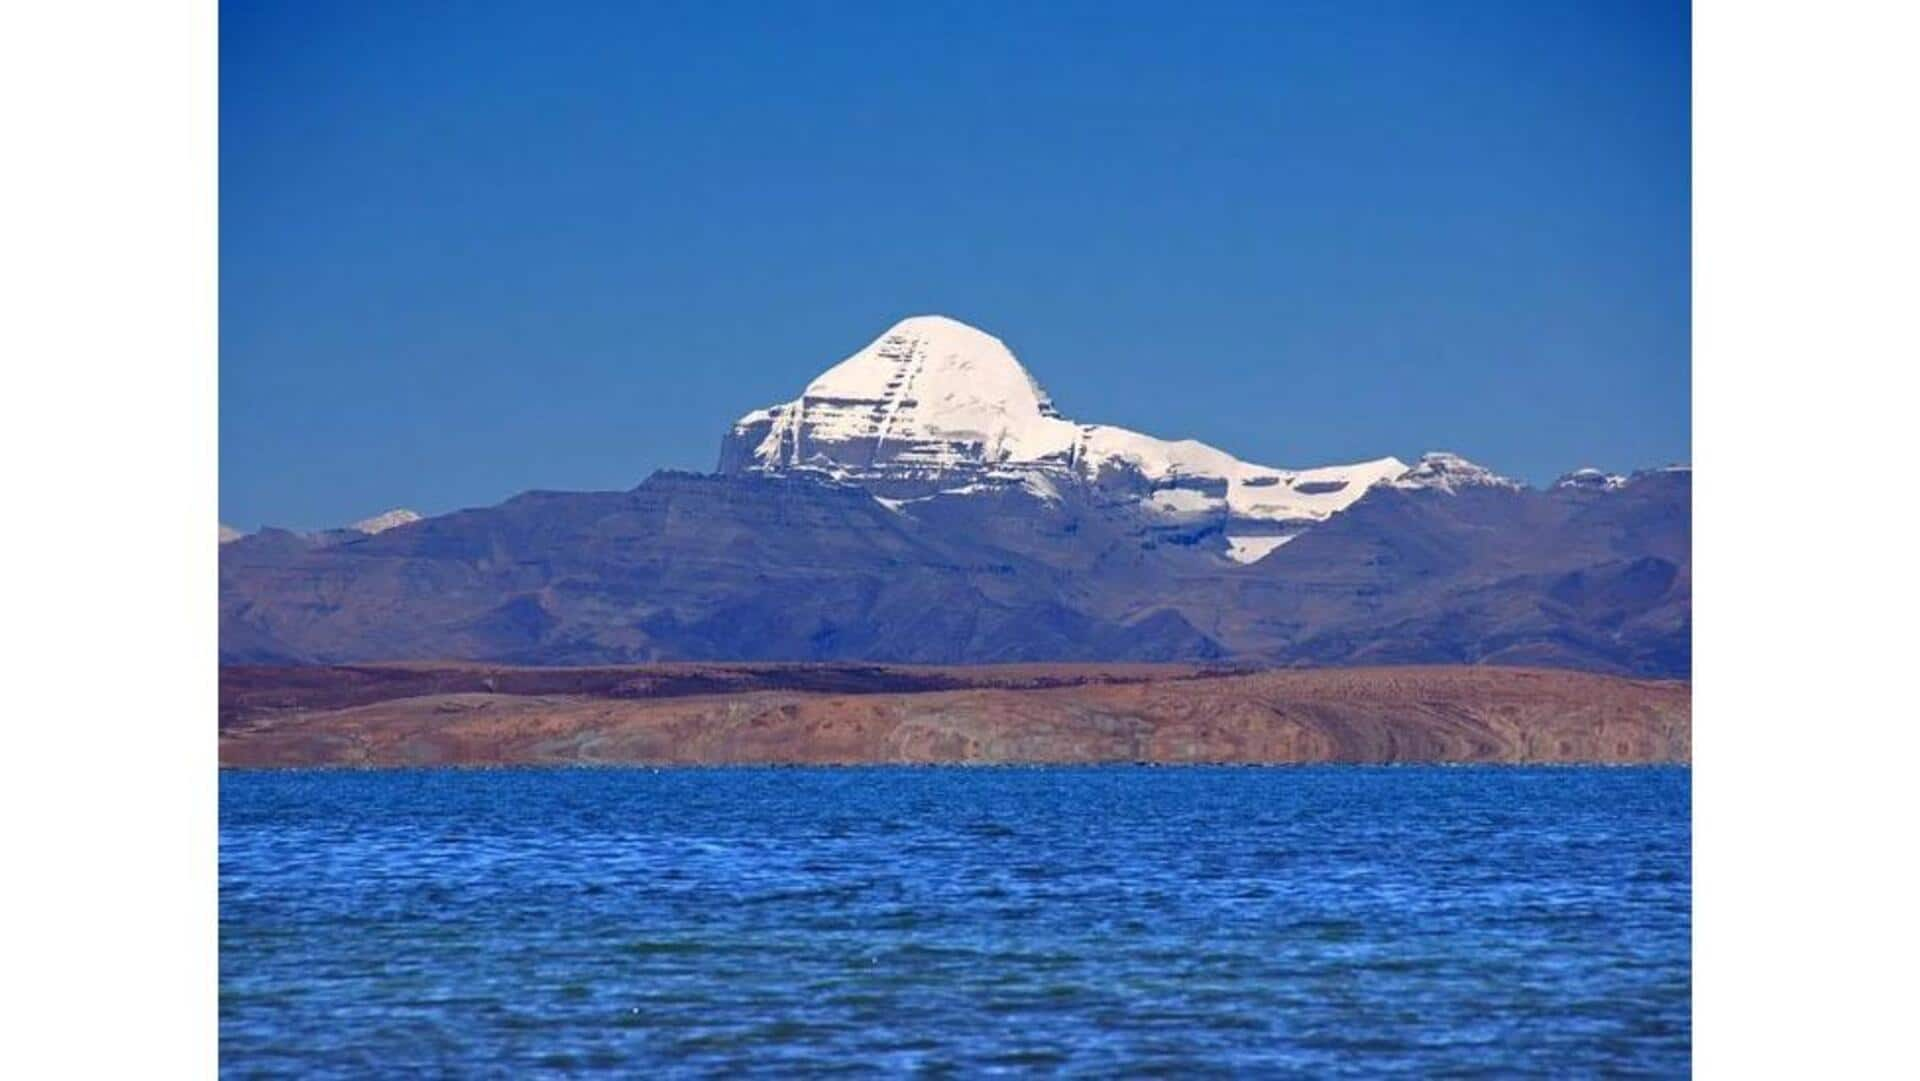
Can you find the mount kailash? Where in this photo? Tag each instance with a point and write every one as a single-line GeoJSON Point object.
{"type": "Point", "coordinates": [924, 500]}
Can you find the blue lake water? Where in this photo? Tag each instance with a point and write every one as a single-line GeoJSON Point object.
{"type": "Point", "coordinates": [1321, 921]}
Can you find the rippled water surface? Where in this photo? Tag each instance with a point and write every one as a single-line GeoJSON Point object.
{"type": "Point", "coordinates": [1181, 921]}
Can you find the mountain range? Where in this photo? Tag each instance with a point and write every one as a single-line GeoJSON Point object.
{"type": "Point", "coordinates": [924, 501]}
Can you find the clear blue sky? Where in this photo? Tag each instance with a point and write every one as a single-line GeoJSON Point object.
{"type": "Point", "coordinates": [471, 249]}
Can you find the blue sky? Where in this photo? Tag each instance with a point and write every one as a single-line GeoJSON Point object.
{"type": "Point", "coordinates": [468, 250]}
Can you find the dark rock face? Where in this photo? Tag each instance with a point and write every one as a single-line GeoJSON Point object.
{"type": "Point", "coordinates": [1595, 580]}
{"type": "Point", "coordinates": [753, 566]}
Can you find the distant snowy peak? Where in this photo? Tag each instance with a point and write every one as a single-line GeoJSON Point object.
{"type": "Point", "coordinates": [380, 523]}
{"type": "Point", "coordinates": [1591, 480]}
{"type": "Point", "coordinates": [934, 406]}
{"type": "Point", "coordinates": [229, 534]}
{"type": "Point", "coordinates": [929, 396]}
{"type": "Point", "coordinates": [943, 373]}
{"type": "Point", "coordinates": [1447, 472]}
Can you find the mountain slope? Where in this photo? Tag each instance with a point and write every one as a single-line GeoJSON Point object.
{"type": "Point", "coordinates": [683, 567]}
{"type": "Point", "coordinates": [799, 568]}
{"type": "Point", "coordinates": [924, 502]}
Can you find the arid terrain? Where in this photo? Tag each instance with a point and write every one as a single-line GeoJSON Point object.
{"type": "Point", "coordinates": [427, 714]}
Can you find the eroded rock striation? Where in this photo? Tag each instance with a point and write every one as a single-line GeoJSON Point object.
{"type": "Point", "coordinates": [831, 715]}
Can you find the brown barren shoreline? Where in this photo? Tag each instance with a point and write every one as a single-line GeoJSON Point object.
{"type": "Point", "coordinates": [456, 714]}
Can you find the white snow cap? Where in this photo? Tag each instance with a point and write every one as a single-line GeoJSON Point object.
{"type": "Point", "coordinates": [380, 523]}
{"type": "Point", "coordinates": [1591, 479]}
{"type": "Point", "coordinates": [947, 375]}
{"type": "Point", "coordinates": [934, 397]}
{"type": "Point", "coordinates": [228, 534]}
{"type": "Point", "coordinates": [1448, 472]}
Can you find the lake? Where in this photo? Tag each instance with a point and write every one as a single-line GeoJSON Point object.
{"type": "Point", "coordinates": [1319, 920]}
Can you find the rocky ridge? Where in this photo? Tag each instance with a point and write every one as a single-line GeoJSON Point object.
{"type": "Point", "coordinates": [825, 715]}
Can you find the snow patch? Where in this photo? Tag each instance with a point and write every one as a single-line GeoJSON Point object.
{"type": "Point", "coordinates": [1183, 501]}
{"type": "Point", "coordinates": [380, 523]}
{"type": "Point", "coordinates": [1591, 480]}
{"type": "Point", "coordinates": [1447, 472]}
{"type": "Point", "coordinates": [1253, 549]}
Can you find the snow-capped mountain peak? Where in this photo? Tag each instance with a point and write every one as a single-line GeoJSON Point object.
{"type": "Point", "coordinates": [1448, 472]}
{"type": "Point", "coordinates": [380, 523]}
{"type": "Point", "coordinates": [930, 395]}
{"type": "Point", "coordinates": [934, 406]}
{"type": "Point", "coordinates": [1589, 479]}
{"type": "Point", "coordinates": [942, 370]}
